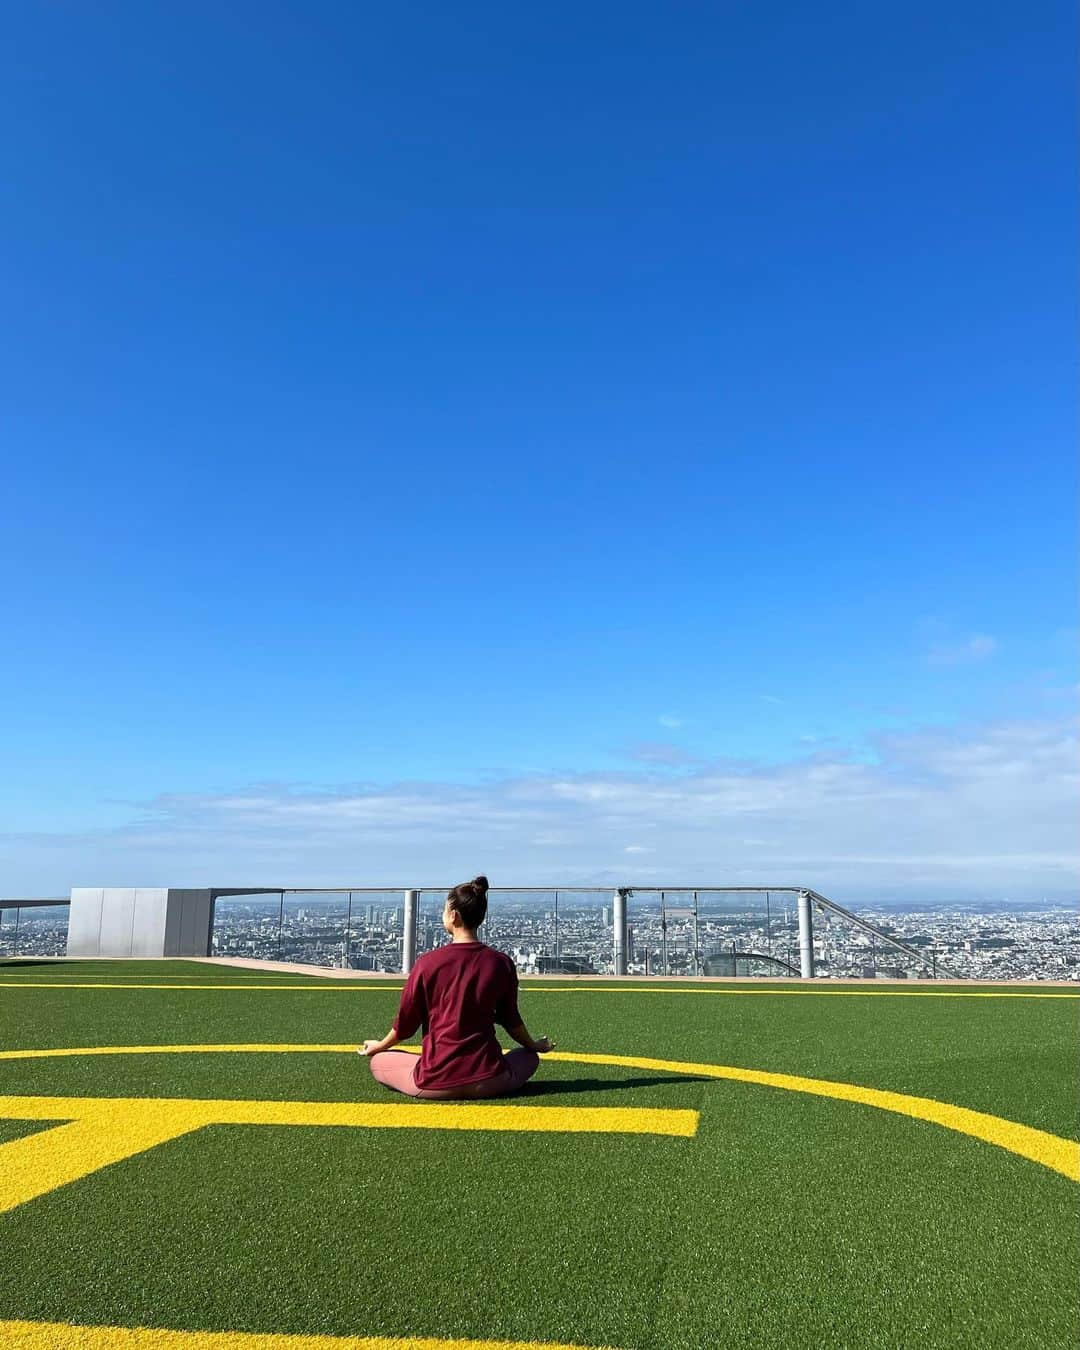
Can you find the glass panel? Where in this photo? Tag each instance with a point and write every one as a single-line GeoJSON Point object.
{"type": "Point", "coordinates": [580, 943]}
{"type": "Point", "coordinates": [42, 930]}
{"type": "Point", "coordinates": [644, 954]}
{"type": "Point", "coordinates": [429, 930]}
{"type": "Point", "coordinates": [842, 950]}
{"type": "Point", "coordinates": [9, 926]}
{"type": "Point", "coordinates": [528, 926]}
{"type": "Point", "coordinates": [544, 932]}
{"type": "Point", "coordinates": [748, 933]}
{"type": "Point", "coordinates": [313, 927]}
{"type": "Point", "coordinates": [34, 930]}
{"type": "Point", "coordinates": [604, 925]}
{"type": "Point", "coordinates": [247, 925]}
{"type": "Point", "coordinates": [373, 939]}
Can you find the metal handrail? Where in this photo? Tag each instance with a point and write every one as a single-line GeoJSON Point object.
{"type": "Point", "coordinates": [526, 890]}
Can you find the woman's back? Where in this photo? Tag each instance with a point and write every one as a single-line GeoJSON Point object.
{"type": "Point", "coordinates": [458, 993]}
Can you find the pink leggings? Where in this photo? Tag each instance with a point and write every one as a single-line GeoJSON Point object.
{"type": "Point", "coordinates": [395, 1069]}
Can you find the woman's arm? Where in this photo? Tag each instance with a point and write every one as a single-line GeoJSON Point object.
{"type": "Point", "coordinates": [412, 1010]}
{"type": "Point", "coordinates": [370, 1048]}
{"type": "Point", "coordinates": [520, 1034]}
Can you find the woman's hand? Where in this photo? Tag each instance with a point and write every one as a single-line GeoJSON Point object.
{"type": "Point", "coordinates": [370, 1048]}
{"type": "Point", "coordinates": [543, 1045]}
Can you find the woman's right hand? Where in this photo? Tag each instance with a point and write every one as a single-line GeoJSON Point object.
{"type": "Point", "coordinates": [543, 1045]}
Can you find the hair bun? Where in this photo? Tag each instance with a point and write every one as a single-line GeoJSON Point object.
{"type": "Point", "coordinates": [481, 883]}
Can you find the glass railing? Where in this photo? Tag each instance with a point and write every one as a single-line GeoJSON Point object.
{"type": "Point", "coordinates": [843, 952]}
{"type": "Point", "coordinates": [355, 930]}
{"type": "Point", "coordinates": [37, 929]}
{"type": "Point", "coordinates": [679, 932]}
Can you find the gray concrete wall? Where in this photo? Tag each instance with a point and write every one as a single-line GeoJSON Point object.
{"type": "Point", "coordinates": [139, 921]}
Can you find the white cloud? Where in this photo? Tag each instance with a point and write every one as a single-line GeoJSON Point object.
{"type": "Point", "coordinates": [977, 647]}
{"type": "Point", "coordinates": [670, 721]}
{"type": "Point", "coordinates": [989, 811]}
{"type": "Point", "coordinates": [661, 752]}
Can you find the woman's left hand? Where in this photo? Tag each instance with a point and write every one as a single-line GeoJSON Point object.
{"type": "Point", "coordinates": [370, 1048]}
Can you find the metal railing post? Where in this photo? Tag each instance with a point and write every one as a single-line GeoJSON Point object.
{"type": "Point", "coordinates": [806, 936]}
{"type": "Point", "coordinates": [618, 931]}
{"type": "Point", "coordinates": [697, 938]}
{"type": "Point", "coordinates": [408, 931]}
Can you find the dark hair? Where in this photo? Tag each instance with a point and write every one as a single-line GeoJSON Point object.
{"type": "Point", "coordinates": [470, 901]}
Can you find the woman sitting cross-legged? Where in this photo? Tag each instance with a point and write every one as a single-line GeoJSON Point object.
{"type": "Point", "coordinates": [457, 993]}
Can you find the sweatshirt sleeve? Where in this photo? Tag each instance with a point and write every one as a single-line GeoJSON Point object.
{"type": "Point", "coordinates": [506, 1010]}
{"type": "Point", "coordinates": [412, 1010]}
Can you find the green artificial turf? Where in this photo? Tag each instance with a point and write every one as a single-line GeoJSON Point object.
{"type": "Point", "coordinates": [788, 1221]}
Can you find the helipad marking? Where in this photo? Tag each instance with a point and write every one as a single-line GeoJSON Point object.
{"type": "Point", "coordinates": [63, 1336]}
{"type": "Point", "coordinates": [104, 1130]}
{"type": "Point", "coordinates": [361, 987]}
{"type": "Point", "coordinates": [1039, 1146]}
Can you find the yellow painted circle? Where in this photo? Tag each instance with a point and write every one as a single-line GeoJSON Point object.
{"type": "Point", "coordinates": [1049, 1150]}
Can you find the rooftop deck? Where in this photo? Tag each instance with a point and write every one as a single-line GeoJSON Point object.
{"type": "Point", "coordinates": [759, 1164]}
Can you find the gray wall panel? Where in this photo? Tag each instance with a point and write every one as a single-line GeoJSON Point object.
{"type": "Point", "coordinates": [84, 921]}
{"type": "Point", "coordinates": [193, 934]}
{"type": "Point", "coordinates": [151, 904]}
{"type": "Point", "coordinates": [201, 942]}
{"type": "Point", "coordinates": [187, 921]}
{"type": "Point", "coordinates": [171, 938]}
{"type": "Point", "coordinates": [117, 916]}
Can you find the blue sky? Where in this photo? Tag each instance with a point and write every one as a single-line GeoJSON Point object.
{"type": "Point", "coordinates": [408, 411]}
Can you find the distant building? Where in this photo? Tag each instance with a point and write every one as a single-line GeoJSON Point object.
{"type": "Point", "coordinates": [564, 965]}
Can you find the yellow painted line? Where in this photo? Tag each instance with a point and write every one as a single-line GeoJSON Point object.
{"type": "Point", "coordinates": [1050, 1150]}
{"type": "Point", "coordinates": [105, 1130]}
{"type": "Point", "coordinates": [70, 984]}
{"type": "Point", "coordinates": [1039, 1146]}
{"type": "Point", "coordinates": [198, 1112]}
{"type": "Point", "coordinates": [62, 1336]}
{"type": "Point", "coordinates": [361, 987]}
{"type": "Point", "coordinates": [92, 1139]}
{"type": "Point", "coordinates": [66, 1052]}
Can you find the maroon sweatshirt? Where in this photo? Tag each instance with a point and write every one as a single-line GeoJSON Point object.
{"type": "Point", "coordinates": [457, 993]}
